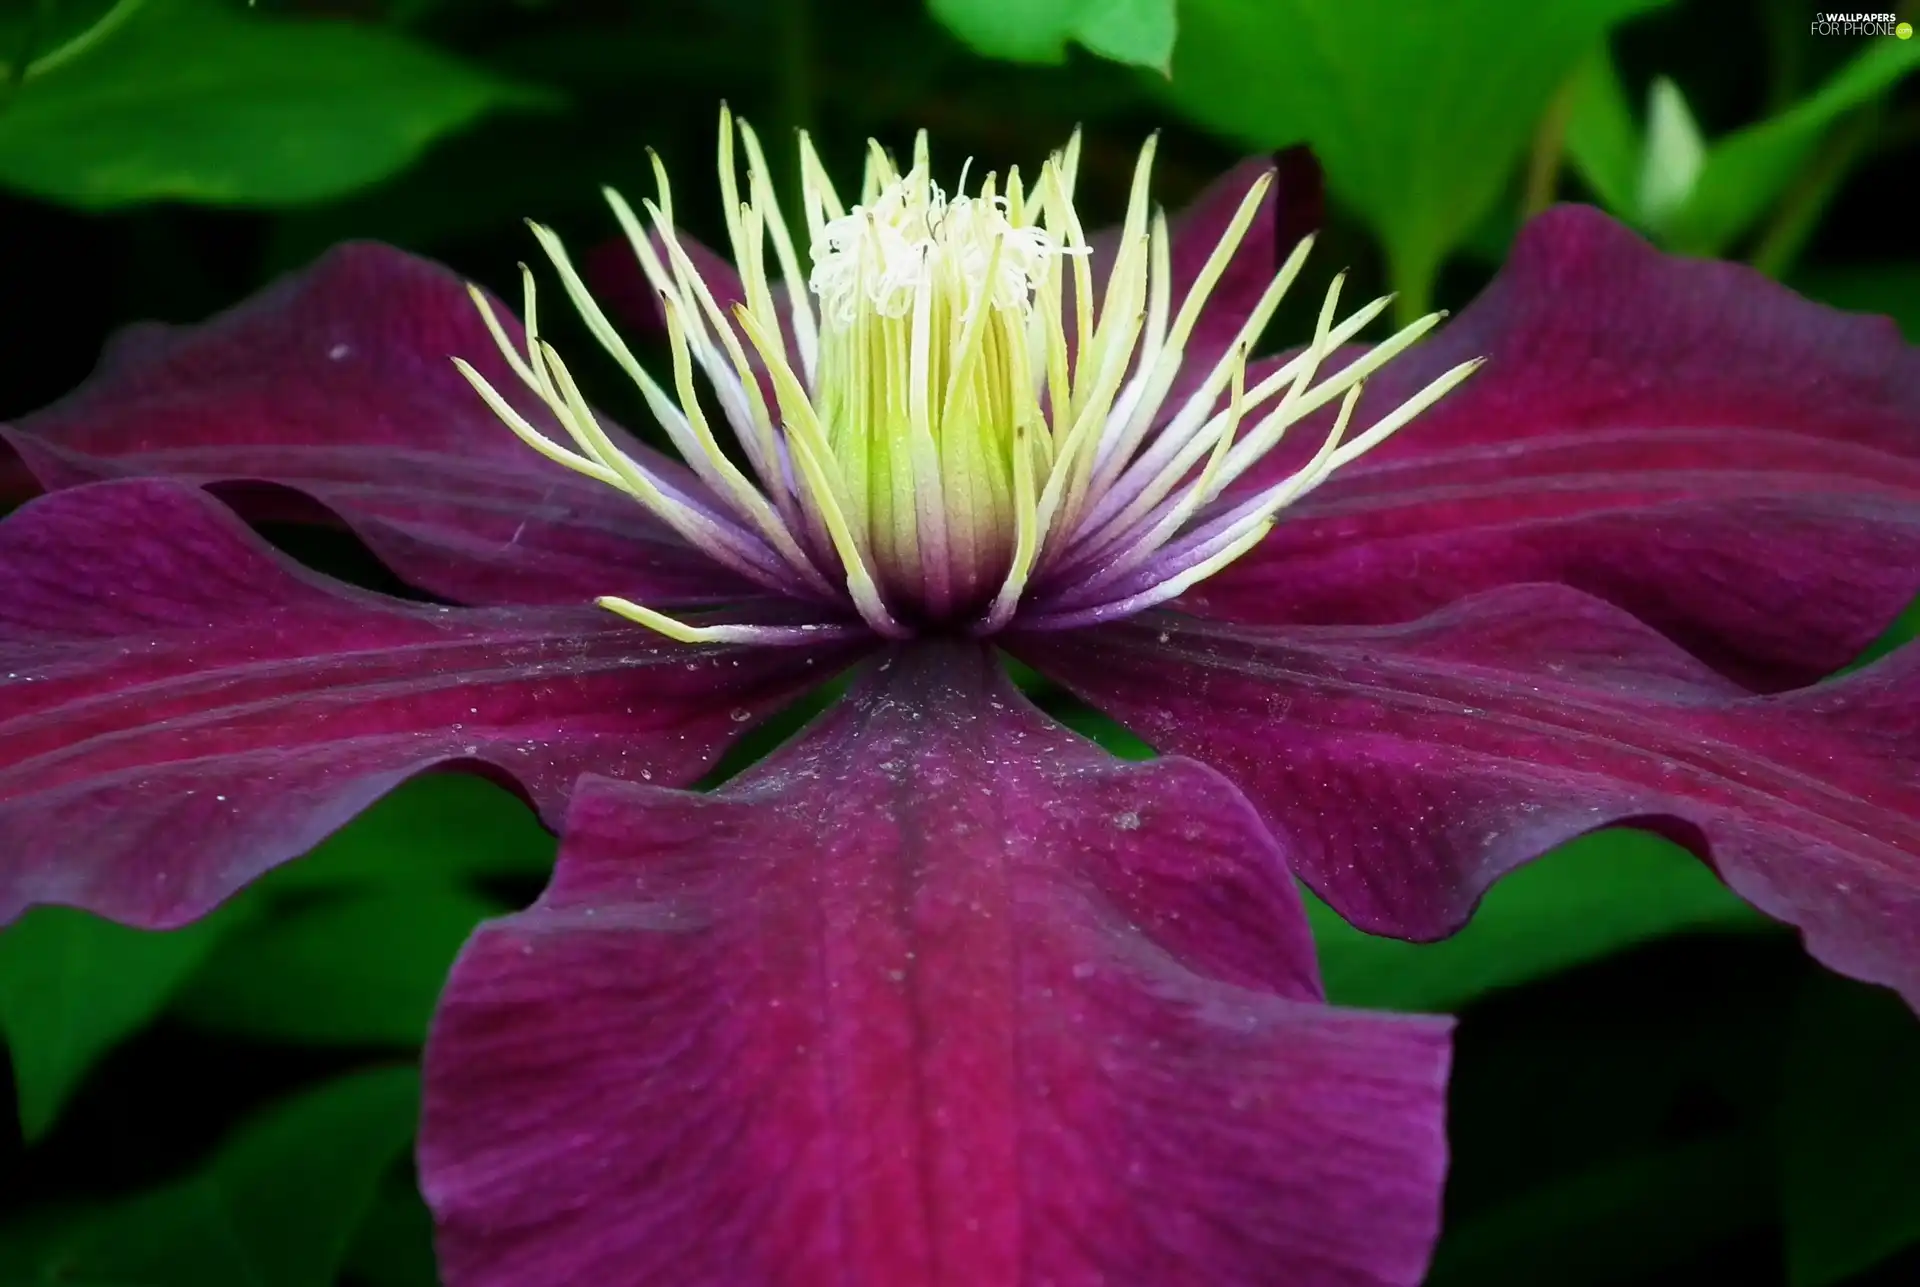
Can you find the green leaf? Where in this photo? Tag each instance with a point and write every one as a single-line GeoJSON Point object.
{"type": "Point", "coordinates": [72, 986]}
{"type": "Point", "coordinates": [1890, 289]}
{"type": "Point", "coordinates": [1747, 171]}
{"type": "Point", "coordinates": [1677, 1202]}
{"type": "Point", "coordinates": [365, 969]}
{"type": "Point", "coordinates": [192, 100]}
{"type": "Point", "coordinates": [278, 1206]}
{"type": "Point", "coordinates": [1674, 156]}
{"type": "Point", "coordinates": [1602, 140]}
{"type": "Point", "coordinates": [1849, 1132]}
{"type": "Point", "coordinates": [435, 830]}
{"type": "Point", "coordinates": [1092, 725]}
{"type": "Point", "coordinates": [1038, 31]}
{"type": "Point", "coordinates": [1589, 898]}
{"type": "Point", "coordinates": [38, 35]}
{"type": "Point", "coordinates": [1417, 112]}
{"type": "Point", "coordinates": [394, 1247]}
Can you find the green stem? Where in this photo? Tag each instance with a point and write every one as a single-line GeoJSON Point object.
{"type": "Point", "coordinates": [1549, 148]}
{"type": "Point", "coordinates": [1799, 211]}
{"type": "Point", "coordinates": [27, 66]}
{"type": "Point", "coordinates": [1413, 274]}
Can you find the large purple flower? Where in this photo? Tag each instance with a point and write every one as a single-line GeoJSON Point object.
{"type": "Point", "coordinates": [941, 993]}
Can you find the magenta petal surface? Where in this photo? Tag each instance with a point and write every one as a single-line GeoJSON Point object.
{"type": "Point", "coordinates": [182, 709]}
{"type": "Point", "coordinates": [942, 995]}
{"type": "Point", "coordinates": [337, 382]}
{"type": "Point", "coordinates": [1406, 768]}
{"type": "Point", "coordinates": [1735, 465]}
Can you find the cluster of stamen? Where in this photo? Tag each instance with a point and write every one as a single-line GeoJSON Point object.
{"type": "Point", "coordinates": [964, 433]}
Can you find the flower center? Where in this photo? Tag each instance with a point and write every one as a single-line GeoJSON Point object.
{"type": "Point", "coordinates": [878, 259]}
{"type": "Point", "coordinates": [950, 427]}
{"type": "Point", "coordinates": [924, 383]}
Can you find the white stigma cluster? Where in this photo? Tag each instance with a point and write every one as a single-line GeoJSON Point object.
{"type": "Point", "coordinates": [953, 426]}
{"type": "Point", "coordinates": [877, 257]}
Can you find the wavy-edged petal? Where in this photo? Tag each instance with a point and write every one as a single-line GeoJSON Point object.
{"type": "Point", "coordinates": [337, 382]}
{"type": "Point", "coordinates": [1733, 464]}
{"type": "Point", "coordinates": [940, 994]}
{"type": "Point", "coordinates": [181, 708]}
{"type": "Point", "coordinates": [1406, 768]}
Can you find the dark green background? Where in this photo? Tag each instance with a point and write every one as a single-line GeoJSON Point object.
{"type": "Point", "coordinates": [1652, 1085]}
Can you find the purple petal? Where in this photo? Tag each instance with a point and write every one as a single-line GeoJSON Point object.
{"type": "Point", "coordinates": [184, 709]}
{"type": "Point", "coordinates": [1409, 767]}
{"type": "Point", "coordinates": [1736, 466]}
{"type": "Point", "coordinates": [939, 995]}
{"type": "Point", "coordinates": [336, 382]}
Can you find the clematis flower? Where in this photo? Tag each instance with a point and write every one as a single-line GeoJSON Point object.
{"type": "Point", "coordinates": [940, 993]}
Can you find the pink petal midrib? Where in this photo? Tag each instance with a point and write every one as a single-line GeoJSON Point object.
{"type": "Point", "coordinates": [406, 675]}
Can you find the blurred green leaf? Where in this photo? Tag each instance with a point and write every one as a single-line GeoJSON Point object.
{"type": "Point", "coordinates": [1747, 171]}
{"type": "Point", "coordinates": [1675, 154]}
{"type": "Point", "coordinates": [1891, 289]}
{"type": "Point", "coordinates": [436, 830]}
{"type": "Point", "coordinates": [1743, 175]}
{"type": "Point", "coordinates": [1671, 1204]}
{"type": "Point", "coordinates": [278, 1206]}
{"type": "Point", "coordinates": [1602, 140]}
{"type": "Point", "coordinates": [361, 932]}
{"type": "Point", "coordinates": [1651, 1047]}
{"type": "Point", "coordinates": [365, 969]}
{"type": "Point", "coordinates": [1849, 1132]}
{"type": "Point", "coordinates": [38, 35]}
{"type": "Point", "coordinates": [1587, 899]}
{"type": "Point", "coordinates": [72, 986]}
{"type": "Point", "coordinates": [1038, 31]}
{"type": "Point", "coordinates": [192, 100]}
{"type": "Point", "coordinates": [394, 1247]}
{"type": "Point", "coordinates": [1417, 112]}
